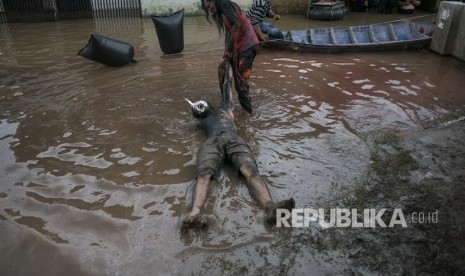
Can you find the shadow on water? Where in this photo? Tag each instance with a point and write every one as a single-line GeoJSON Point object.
{"type": "Point", "coordinates": [97, 163]}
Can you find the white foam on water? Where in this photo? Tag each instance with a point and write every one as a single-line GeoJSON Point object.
{"type": "Point", "coordinates": [402, 69]}
{"type": "Point", "coordinates": [344, 64]}
{"type": "Point", "coordinates": [129, 160]}
{"type": "Point", "coordinates": [130, 174]}
{"type": "Point", "coordinates": [290, 66]}
{"type": "Point", "coordinates": [286, 59]}
{"type": "Point", "coordinates": [171, 172]}
{"type": "Point", "coordinates": [429, 84]}
{"type": "Point", "coordinates": [395, 82]}
{"type": "Point", "coordinates": [361, 81]}
{"type": "Point", "coordinates": [367, 87]}
{"type": "Point", "coordinates": [405, 91]}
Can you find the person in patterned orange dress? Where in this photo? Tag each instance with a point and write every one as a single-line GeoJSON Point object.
{"type": "Point", "coordinates": [241, 44]}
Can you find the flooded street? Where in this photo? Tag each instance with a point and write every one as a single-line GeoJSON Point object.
{"type": "Point", "coordinates": [97, 163]}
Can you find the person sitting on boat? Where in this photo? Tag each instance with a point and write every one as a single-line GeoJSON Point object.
{"type": "Point", "coordinates": [223, 142]}
{"type": "Point", "coordinates": [407, 6]}
{"type": "Point", "coordinates": [257, 13]}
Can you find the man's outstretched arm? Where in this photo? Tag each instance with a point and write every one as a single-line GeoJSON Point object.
{"type": "Point", "coordinates": [224, 77]}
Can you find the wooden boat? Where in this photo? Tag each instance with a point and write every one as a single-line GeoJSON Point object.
{"type": "Point", "coordinates": [328, 10]}
{"type": "Point", "coordinates": [385, 36]}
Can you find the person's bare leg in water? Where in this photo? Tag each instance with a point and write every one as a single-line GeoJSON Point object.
{"type": "Point", "coordinates": [257, 188]}
{"type": "Point", "coordinates": [193, 218]}
{"type": "Point", "coordinates": [260, 192]}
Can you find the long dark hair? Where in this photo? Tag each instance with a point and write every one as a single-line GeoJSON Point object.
{"type": "Point", "coordinates": [217, 16]}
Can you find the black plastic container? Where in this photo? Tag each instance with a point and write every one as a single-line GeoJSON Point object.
{"type": "Point", "coordinates": [170, 32]}
{"type": "Point", "coordinates": [108, 51]}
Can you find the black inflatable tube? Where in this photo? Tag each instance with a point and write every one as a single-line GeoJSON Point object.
{"type": "Point", "coordinates": [170, 32]}
{"type": "Point", "coordinates": [108, 51]}
{"type": "Point", "coordinates": [328, 14]}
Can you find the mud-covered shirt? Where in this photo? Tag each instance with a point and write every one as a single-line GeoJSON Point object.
{"type": "Point", "coordinates": [239, 33]}
{"type": "Point", "coordinates": [216, 123]}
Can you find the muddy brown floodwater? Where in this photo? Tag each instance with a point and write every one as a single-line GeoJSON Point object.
{"type": "Point", "coordinates": [97, 163]}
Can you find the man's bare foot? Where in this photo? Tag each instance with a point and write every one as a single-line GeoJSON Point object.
{"type": "Point", "coordinates": [270, 209]}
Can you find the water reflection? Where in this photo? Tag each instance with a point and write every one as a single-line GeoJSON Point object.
{"type": "Point", "coordinates": [98, 162]}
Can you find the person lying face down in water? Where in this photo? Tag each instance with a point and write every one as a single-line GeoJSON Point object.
{"type": "Point", "coordinates": [223, 142]}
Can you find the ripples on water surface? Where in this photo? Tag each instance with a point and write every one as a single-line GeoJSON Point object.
{"type": "Point", "coordinates": [96, 162]}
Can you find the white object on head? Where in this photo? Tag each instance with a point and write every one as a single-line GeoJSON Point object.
{"type": "Point", "coordinates": [189, 102]}
{"type": "Point", "coordinates": [199, 106]}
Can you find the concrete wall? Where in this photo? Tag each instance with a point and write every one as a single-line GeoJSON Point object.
{"type": "Point", "coordinates": [163, 7]}
{"type": "Point", "coordinates": [459, 47]}
{"type": "Point", "coordinates": [192, 7]}
{"type": "Point", "coordinates": [449, 33]}
{"type": "Point", "coordinates": [50, 4]}
{"type": "Point", "coordinates": [99, 5]}
{"type": "Point", "coordinates": [289, 6]}
{"type": "Point", "coordinates": [430, 5]}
